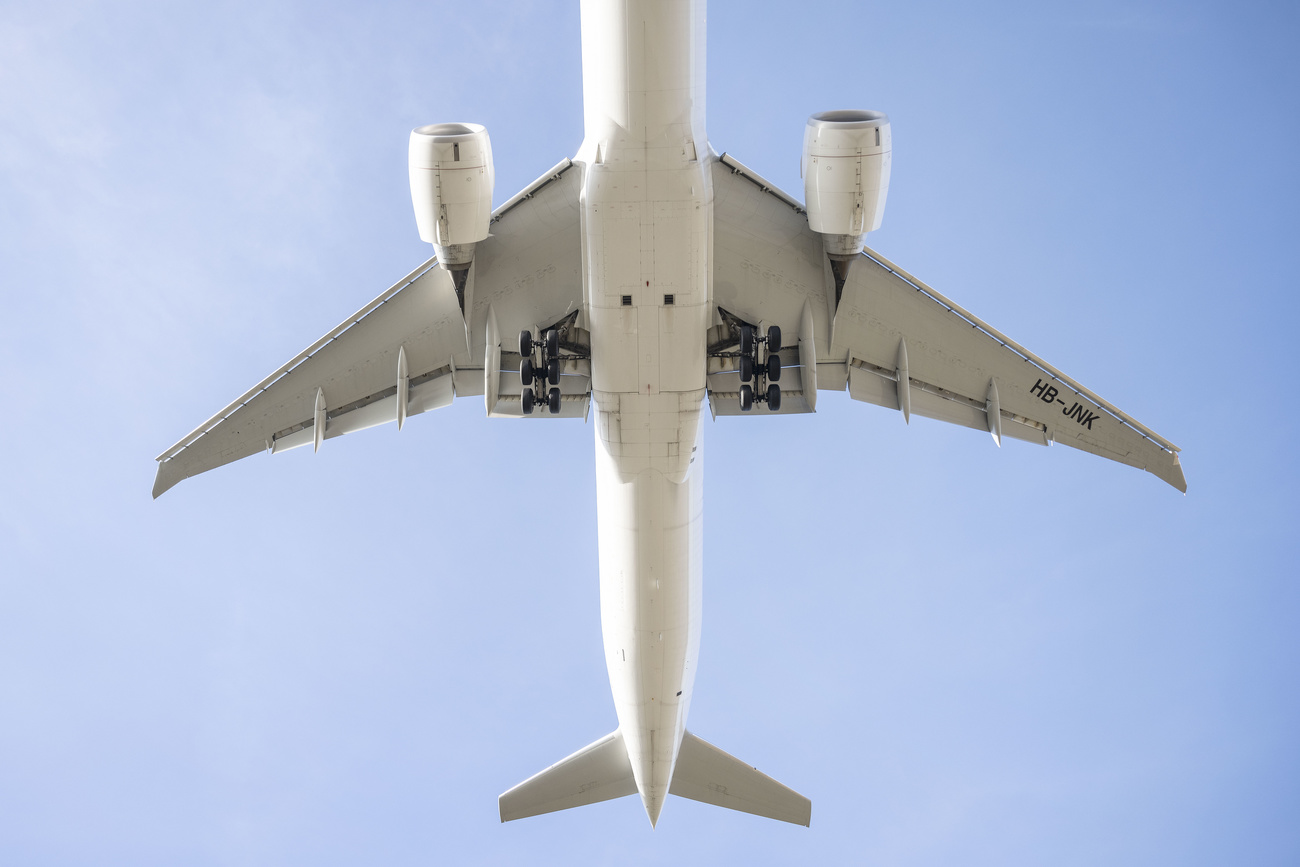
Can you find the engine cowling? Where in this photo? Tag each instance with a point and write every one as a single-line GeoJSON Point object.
{"type": "Point", "coordinates": [846, 160]}
{"type": "Point", "coordinates": [451, 188]}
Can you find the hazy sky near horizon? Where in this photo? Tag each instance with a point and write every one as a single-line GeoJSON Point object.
{"type": "Point", "coordinates": [962, 654]}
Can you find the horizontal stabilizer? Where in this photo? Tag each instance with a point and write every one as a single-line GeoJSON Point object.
{"type": "Point", "coordinates": [705, 773]}
{"type": "Point", "coordinates": [597, 772]}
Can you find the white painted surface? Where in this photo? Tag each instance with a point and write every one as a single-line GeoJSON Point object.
{"type": "Point", "coordinates": [451, 182]}
{"type": "Point", "coordinates": [846, 163]}
{"type": "Point", "coordinates": [647, 200]}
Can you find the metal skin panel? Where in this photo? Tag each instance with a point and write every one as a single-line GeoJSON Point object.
{"type": "Point", "coordinates": [767, 263]}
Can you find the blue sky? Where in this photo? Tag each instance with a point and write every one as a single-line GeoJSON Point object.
{"type": "Point", "coordinates": [962, 654]}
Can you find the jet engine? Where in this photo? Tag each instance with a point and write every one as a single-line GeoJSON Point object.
{"type": "Point", "coordinates": [451, 188]}
{"type": "Point", "coordinates": [845, 167]}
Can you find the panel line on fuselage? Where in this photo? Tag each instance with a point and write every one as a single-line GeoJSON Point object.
{"type": "Point", "coordinates": [647, 211]}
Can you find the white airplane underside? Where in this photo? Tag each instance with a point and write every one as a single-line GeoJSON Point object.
{"type": "Point", "coordinates": [652, 276]}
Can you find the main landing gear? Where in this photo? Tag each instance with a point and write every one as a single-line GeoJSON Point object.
{"type": "Point", "coordinates": [535, 377]}
{"type": "Point", "coordinates": [763, 376]}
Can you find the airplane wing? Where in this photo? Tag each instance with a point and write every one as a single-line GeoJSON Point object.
{"type": "Point", "coordinates": [412, 349]}
{"type": "Point", "coordinates": [888, 338]}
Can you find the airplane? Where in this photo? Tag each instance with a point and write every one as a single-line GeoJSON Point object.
{"type": "Point", "coordinates": [632, 285]}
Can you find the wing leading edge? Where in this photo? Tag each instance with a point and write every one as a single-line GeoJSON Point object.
{"type": "Point", "coordinates": [891, 340]}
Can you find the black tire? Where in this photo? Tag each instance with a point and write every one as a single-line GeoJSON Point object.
{"type": "Point", "coordinates": [773, 368]}
{"type": "Point", "coordinates": [526, 372]}
{"type": "Point", "coordinates": [746, 368]}
{"type": "Point", "coordinates": [528, 401]}
{"type": "Point", "coordinates": [746, 340]}
{"type": "Point", "coordinates": [553, 370]}
{"type": "Point", "coordinates": [552, 343]}
{"type": "Point", "coordinates": [525, 343]}
{"type": "Point", "coordinates": [553, 399]}
{"type": "Point", "coordinates": [774, 338]}
{"type": "Point", "coordinates": [746, 398]}
{"type": "Point", "coordinates": [774, 397]}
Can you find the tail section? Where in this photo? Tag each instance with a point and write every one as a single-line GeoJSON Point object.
{"type": "Point", "coordinates": [705, 773]}
{"type": "Point", "coordinates": [597, 772]}
{"type": "Point", "coordinates": [603, 770]}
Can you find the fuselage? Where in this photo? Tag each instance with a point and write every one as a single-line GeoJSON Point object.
{"type": "Point", "coordinates": [647, 214]}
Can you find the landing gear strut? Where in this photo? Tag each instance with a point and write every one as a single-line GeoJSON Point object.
{"type": "Point", "coordinates": [535, 377]}
{"type": "Point", "coordinates": [769, 370]}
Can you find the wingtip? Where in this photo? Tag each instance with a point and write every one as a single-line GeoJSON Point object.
{"type": "Point", "coordinates": [1172, 474]}
{"type": "Point", "coordinates": [165, 480]}
{"type": "Point", "coordinates": [1181, 480]}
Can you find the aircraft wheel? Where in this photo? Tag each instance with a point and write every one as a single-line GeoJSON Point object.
{"type": "Point", "coordinates": [746, 398]}
{"type": "Point", "coordinates": [773, 368]}
{"type": "Point", "coordinates": [746, 368]}
{"type": "Point", "coordinates": [552, 343]}
{"type": "Point", "coordinates": [528, 401]}
{"type": "Point", "coordinates": [553, 370]}
{"type": "Point", "coordinates": [525, 343]}
{"type": "Point", "coordinates": [774, 339]}
{"type": "Point", "coordinates": [526, 372]}
{"type": "Point", "coordinates": [746, 340]}
{"type": "Point", "coordinates": [774, 397]}
{"type": "Point", "coordinates": [553, 399]}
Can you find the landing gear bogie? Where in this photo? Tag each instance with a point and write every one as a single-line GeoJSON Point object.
{"type": "Point", "coordinates": [759, 378]}
{"type": "Point", "coordinates": [539, 371]}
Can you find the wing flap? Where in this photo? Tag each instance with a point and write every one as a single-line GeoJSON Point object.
{"type": "Point", "coordinates": [433, 393]}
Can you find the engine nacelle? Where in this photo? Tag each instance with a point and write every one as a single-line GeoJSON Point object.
{"type": "Point", "coordinates": [846, 156]}
{"type": "Point", "coordinates": [451, 188]}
